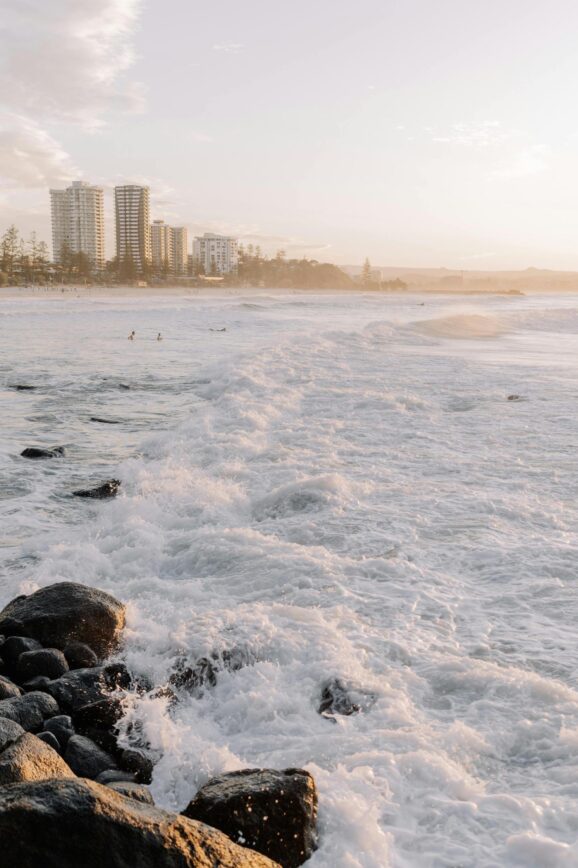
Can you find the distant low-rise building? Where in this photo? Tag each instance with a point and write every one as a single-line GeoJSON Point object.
{"type": "Point", "coordinates": [216, 254]}
{"type": "Point", "coordinates": [78, 222]}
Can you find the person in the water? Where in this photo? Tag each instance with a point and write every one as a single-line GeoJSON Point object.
{"type": "Point", "coordinates": [159, 337]}
{"type": "Point", "coordinates": [132, 335]}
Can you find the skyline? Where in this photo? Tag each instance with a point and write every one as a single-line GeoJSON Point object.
{"type": "Point", "coordinates": [449, 142]}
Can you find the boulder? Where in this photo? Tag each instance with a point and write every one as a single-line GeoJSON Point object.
{"type": "Point", "coordinates": [116, 776]}
{"type": "Point", "coordinates": [138, 761]}
{"type": "Point", "coordinates": [86, 758]}
{"type": "Point", "coordinates": [30, 710]}
{"type": "Point", "coordinates": [10, 731]}
{"type": "Point", "coordinates": [104, 421]}
{"type": "Point", "coordinates": [8, 688]}
{"type": "Point", "coordinates": [83, 686]}
{"type": "Point", "coordinates": [47, 661]}
{"type": "Point", "coordinates": [101, 492]}
{"type": "Point", "coordinates": [339, 698]}
{"type": "Point", "coordinates": [23, 387]}
{"type": "Point", "coordinates": [37, 452]}
{"type": "Point", "coordinates": [66, 612]}
{"type": "Point", "coordinates": [30, 759]}
{"type": "Point", "coordinates": [98, 721]}
{"type": "Point", "coordinates": [40, 682]}
{"type": "Point", "coordinates": [61, 728]}
{"type": "Point", "coordinates": [14, 646]}
{"type": "Point", "coordinates": [132, 791]}
{"type": "Point", "coordinates": [51, 740]}
{"type": "Point", "coordinates": [80, 656]}
{"type": "Point", "coordinates": [273, 812]}
{"type": "Point", "coordinates": [69, 823]}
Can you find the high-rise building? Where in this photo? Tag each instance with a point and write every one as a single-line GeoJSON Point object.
{"type": "Point", "coordinates": [78, 222]}
{"type": "Point", "coordinates": [216, 254]}
{"type": "Point", "coordinates": [133, 230]}
{"type": "Point", "coordinates": [180, 245]}
{"type": "Point", "coordinates": [161, 246]}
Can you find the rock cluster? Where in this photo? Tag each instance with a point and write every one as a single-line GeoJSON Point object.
{"type": "Point", "coordinates": [70, 795]}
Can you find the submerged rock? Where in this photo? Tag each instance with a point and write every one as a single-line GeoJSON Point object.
{"type": "Point", "coordinates": [37, 452]}
{"type": "Point", "coordinates": [22, 387]}
{"type": "Point", "coordinates": [274, 812]}
{"type": "Point", "coordinates": [104, 421]}
{"type": "Point", "coordinates": [69, 823]}
{"type": "Point", "coordinates": [338, 698]}
{"type": "Point", "coordinates": [102, 492]}
{"type": "Point", "coordinates": [30, 759]}
{"type": "Point", "coordinates": [204, 671]}
{"type": "Point", "coordinates": [66, 612]}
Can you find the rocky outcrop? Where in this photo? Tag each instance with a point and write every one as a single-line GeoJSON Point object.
{"type": "Point", "coordinates": [66, 612]}
{"type": "Point", "coordinates": [101, 492]}
{"type": "Point", "coordinates": [69, 823]}
{"type": "Point", "coordinates": [31, 759]}
{"type": "Point", "coordinates": [38, 452]}
{"type": "Point", "coordinates": [273, 812]}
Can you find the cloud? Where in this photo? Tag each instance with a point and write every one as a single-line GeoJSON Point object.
{"type": "Point", "coordinates": [63, 60]}
{"type": "Point", "coordinates": [29, 156]}
{"type": "Point", "coordinates": [532, 160]}
{"type": "Point", "coordinates": [229, 47]}
{"type": "Point", "coordinates": [486, 134]}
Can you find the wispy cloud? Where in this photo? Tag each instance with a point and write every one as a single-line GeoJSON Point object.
{"type": "Point", "coordinates": [229, 47]}
{"type": "Point", "coordinates": [29, 156]}
{"type": "Point", "coordinates": [532, 160]}
{"type": "Point", "coordinates": [486, 134]}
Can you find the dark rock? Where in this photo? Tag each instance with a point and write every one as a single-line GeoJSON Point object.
{"type": "Point", "coordinates": [513, 397]}
{"type": "Point", "coordinates": [83, 686]}
{"type": "Point", "coordinates": [37, 452]}
{"type": "Point", "coordinates": [51, 740]}
{"type": "Point", "coordinates": [14, 646]}
{"type": "Point", "coordinates": [80, 656]}
{"type": "Point", "coordinates": [86, 758]}
{"type": "Point", "coordinates": [41, 683]}
{"type": "Point", "coordinates": [116, 776]}
{"type": "Point", "coordinates": [204, 671]}
{"type": "Point", "coordinates": [72, 823]}
{"type": "Point", "coordinates": [337, 698]}
{"type": "Point", "coordinates": [132, 791]}
{"type": "Point", "coordinates": [9, 732]}
{"type": "Point", "coordinates": [30, 759]}
{"type": "Point", "coordinates": [66, 612]}
{"type": "Point", "coordinates": [30, 710]}
{"type": "Point", "coordinates": [104, 421]}
{"type": "Point", "coordinates": [137, 761]}
{"type": "Point", "coordinates": [21, 387]}
{"type": "Point", "coordinates": [274, 812]}
{"type": "Point", "coordinates": [48, 662]}
{"type": "Point", "coordinates": [60, 727]}
{"type": "Point", "coordinates": [102, 492]}
{"type": "Point", "coordinates": [98, 721]}
{"type": "Point", "coordinates": [8, 688]}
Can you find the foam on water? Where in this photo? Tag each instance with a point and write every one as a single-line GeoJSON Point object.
{"type": "Point", "coordinates": [307, 502]}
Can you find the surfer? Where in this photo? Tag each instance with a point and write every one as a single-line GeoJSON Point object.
{"type": "Point", "coordinates": [159, 337]}
{"type": "Point", "coordinates": [132, 335]}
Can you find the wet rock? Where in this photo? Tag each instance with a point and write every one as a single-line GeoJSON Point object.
{"type": "Point", "coordinates": [101, 492]}
{"type": "Point", "coordinates": [61, 727]}
{"type": "Point", "coordinates": [104, 421]}
{"type": "Point", "coordinates": [84, 686]}
{"type": "Point", "coordinates": [14, 646]}
{"type": "Point", "coordinates": [338, 698]}
{"type": "Point", "coordinates": [86, 758]}
{"type": "Point", "coordinates": [116, 776]}
{"type": "Point", "coordinates": [48, 662]}
{"type": "Point", "coordinates": [22, 387]}
{"type": "Point", "coordinates": [80, 656]}
{"type": "Point", "coordinates": [98, 721]}
{"type": "Point", "coordinates": [8, 688]}
{"type": "Point", "coordinates": [81, 823]}
{"type": "Point", "coordinates": [273, 812]}
{"type": "Point", "coordinates": [132, 791]}
{"type": "Point", "coordinates": [51, 740]}
{"type": "Point", "coordinates": [204, 671]}
{"type": "Point", "coordinates": [137, 761]}
{"type": "Point", "coordinates": [30, 759]}
{"type": "Point", "coordinates": [37, 452]}
{"type": "Point", "coordinates": [9, 732]}
{"type": "Point", "coordinates": [66, 612]}
{"type": "Point", "coordinates": [30, 710]}
{"type": "Point", "coordinates": [40, 682]}
{"type": "Point", "coordinates": [513, 397]}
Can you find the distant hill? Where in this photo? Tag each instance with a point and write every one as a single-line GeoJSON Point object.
{"type": "Point", "coordinates": [529, 279]}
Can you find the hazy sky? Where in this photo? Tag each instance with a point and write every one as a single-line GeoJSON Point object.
{"type": "Point", "coordinates": [417, 132]}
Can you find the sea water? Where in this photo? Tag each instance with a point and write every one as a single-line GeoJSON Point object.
{"type": "Point", "coordinates": [335, 487]}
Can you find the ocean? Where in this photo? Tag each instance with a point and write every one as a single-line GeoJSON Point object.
{"type": "Point", "coordinates": [376, 489]}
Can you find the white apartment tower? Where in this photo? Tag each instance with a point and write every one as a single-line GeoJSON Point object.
{"type": "Point", "coordinates": [180, 249]}
{"type": "Point", "coordinates": [78, 222]}
{"type": "Point", "coordinates": [133, 230]}
{"type": "Point", "coordinates": [216, 254]}
{"type": "Point", "coordinates": [161, 245]}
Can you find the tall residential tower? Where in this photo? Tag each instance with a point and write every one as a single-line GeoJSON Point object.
{"type": "Point", "coordinates": [78, 222]}
{"type": "Point", "coordinates": [133, 231]}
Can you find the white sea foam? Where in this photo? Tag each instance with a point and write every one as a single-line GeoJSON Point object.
{"type": "Point", "coordinates": [300, 491]}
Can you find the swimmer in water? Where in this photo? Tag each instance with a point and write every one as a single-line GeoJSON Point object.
{"type": "Point", "coordinates": [159, 337]}
{"type": "Point", "coordinates": [132, 335]}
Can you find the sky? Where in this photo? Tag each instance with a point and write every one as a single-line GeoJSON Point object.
{"type": "Point", "coordinates": [416, 133]}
